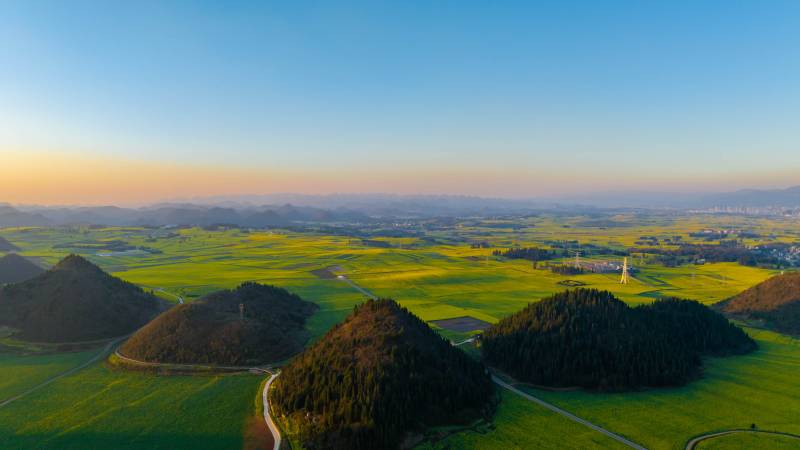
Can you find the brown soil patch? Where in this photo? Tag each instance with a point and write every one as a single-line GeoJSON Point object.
{"type": "Point", "coordinates": [463, 324]}
{"type": "Point", "coordinates": [257, 435]}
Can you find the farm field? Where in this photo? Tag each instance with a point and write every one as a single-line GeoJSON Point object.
{"type": "Point", "coordinates": [745, 441]}
{"type": "Point", "coordinates": [102, 408]}
{"type": "Point", "coordinates": [438, 278]}
{"type": "Point", "coordinates": [760, 388]}
{"type": "Point", "coordinates": [21, 373]}
{"type": "Point", "coordinates": [520, 424]}
{"type": "Point", "coordinates": [435, 280]}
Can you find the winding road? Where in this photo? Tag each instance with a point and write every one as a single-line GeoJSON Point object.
{"type": "Point", "coordinates": [276, 433]}
{"type": "Point", "coordinates": [104, 351]}
{"type": "Point", "coordinates": [693, 443]}
{"type": "Point", "coordinates": [191, 366]}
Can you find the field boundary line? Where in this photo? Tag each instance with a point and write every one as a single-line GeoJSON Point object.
{"type": "Point", "coordinates": [694, 441]}
{"type": "Point", "coordinates": [567, 414]}
{"type": "Point", "coordinates": [52, 379]}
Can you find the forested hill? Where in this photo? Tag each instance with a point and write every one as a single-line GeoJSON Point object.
{"type": "Point", "coordinates": [75, 301]}
{"type": "Point", "coordinates": [377, 375]}
{"type": "Point", "coordinates": [15, 268]}
{"type": "Point", "coordinates": [775, 301]}
{"type": "Point", "coordinates": [211, 330]}
{"type": "Point", "coordinates": [6, 246]}
{"type": "Point", "coordinates": [588, 338]}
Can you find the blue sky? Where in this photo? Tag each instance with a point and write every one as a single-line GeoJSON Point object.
{"type": "Point", "coordinates": [703, 93]}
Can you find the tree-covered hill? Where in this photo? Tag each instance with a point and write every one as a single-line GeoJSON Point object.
{"type": "Point", "coordinates": [588, 338]}
{"type": "Point", "coordinates": [75, 301]}
{"type": "Point", "coordinates": [376, 376]}
{"type": "Point", "coordinates": [15, 268]}
{"type": "Point", "coordinates": [776, 301]}
{"type": "Point", "coordinates": [6, 246]}
{"type": "Point", "coordinates": [211, 331]}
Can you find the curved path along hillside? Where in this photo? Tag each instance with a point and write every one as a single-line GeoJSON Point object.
{"type": "Point", "coordinates": [190, 366]}
{"type": "Point", "coordinates": [693, 443]}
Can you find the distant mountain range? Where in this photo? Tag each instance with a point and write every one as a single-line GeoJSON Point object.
{"type": "Point", "coordinates": [747, 198]}
{"type": "Point", "coordinates": [175, 214]}
{"type": "Point", "coordinates": [279, 210]}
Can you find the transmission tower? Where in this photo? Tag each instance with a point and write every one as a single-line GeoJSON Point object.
{"type": "Point", "coordinates": [577, 260]}
{"type": "Point", "coordinates": [625, 274]}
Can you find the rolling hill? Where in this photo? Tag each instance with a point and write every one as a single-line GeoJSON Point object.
{"type": "Point", "coordinates": [210, 330]}
{"type": "Point", "coordinates": [6, 246]}
{"type": "Point", "coordinates": [775, 301]}
{"type": "Point", "coordinates": [75, 301]}
{"type": "Point", "coordinates": [15, 268]}
{"type": "Point", "coordinates": [375, 377]}
{"type": "Point", "coordinates": [588, 338]}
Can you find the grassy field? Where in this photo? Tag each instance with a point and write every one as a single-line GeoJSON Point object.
{"type": "Point", "coordinates": [735, 392]}
{"type": "Point", "coordinates": [101, 408]}
{"type": "Point", "coordinates": [747, 441]}
{"type": "Point", "coordinates": [20, 373]}
{"type": "Point", "coordinates": [437, 278]}
{"type": "Point", "coordinates": [520, 424]}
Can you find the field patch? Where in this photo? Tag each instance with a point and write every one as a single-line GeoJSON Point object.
{"type": "Point", "coordinates": [21, 373]}
{"type": "Point", "coordinates": [102, 408]}
{"type": "Point", "coordinates": [463, 324]}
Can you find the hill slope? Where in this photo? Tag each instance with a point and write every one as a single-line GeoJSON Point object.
{"type": "Point", "coordinates": [75, 301]}
{"type": "Point", "coordinates": [776, 301]}
{"type": "Point", "coordinates": [209, 330]}
{"type": "Point", "coordinates": [15, 268]}
{"type": "Point", "coordinates": [377, 375]}
{"type": "Point", "coordinates": [6, 246]}
{"type": "Point", "coordinates": [588, 338]}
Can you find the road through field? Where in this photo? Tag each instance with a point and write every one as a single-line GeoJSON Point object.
{"type": "Point", "coordinates": [567, 414]}
{"type": "Point", "coordinates": [357, 287]}
{"type": "Point", "coordinates": [536, 400]}
{"type": "Point", "coordinates": [276, 434]}
{"type": "Point", "coordinates": [104, 351]}
{"type": "Point", "coordinates": [693, 443]}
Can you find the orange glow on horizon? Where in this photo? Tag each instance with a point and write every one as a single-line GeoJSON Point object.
{"type": "Point", "coordinates": [61, 178]}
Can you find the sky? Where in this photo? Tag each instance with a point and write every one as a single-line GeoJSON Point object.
{"type": "Point", "coordinates": [125, 102]}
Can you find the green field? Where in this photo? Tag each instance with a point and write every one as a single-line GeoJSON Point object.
{"type": "Point", "coordinates": [759, 388]}
{"type": "Point", "coordinates": [746, 441]}
{"type": "Point", "coordinates": [436, 278]}
{"type": "Point", "coordinates": [521, 424]}
{"type": "Point", "coordinates": [21, 373]}
{"type": "Point", "coordinates": [101, 408]}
